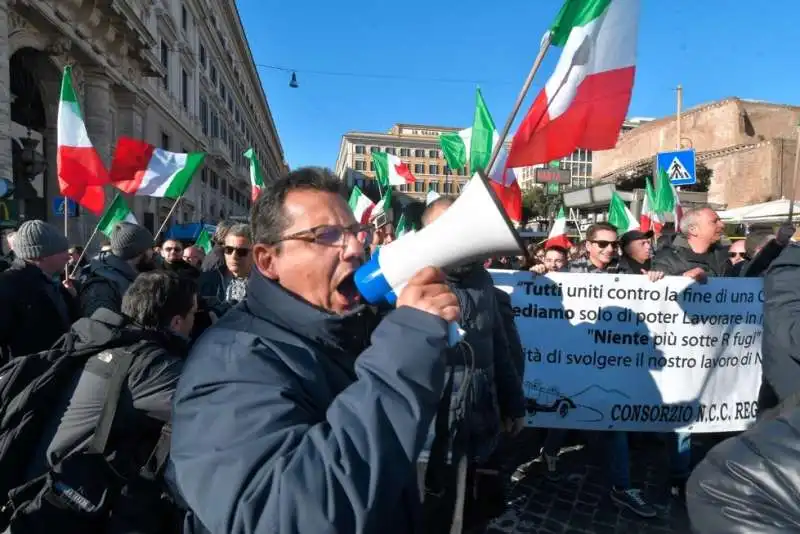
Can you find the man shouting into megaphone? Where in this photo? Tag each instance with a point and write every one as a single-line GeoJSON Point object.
{"type": "Point", "coordinates": [295, 413]}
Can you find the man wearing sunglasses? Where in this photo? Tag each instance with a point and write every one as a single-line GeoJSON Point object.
{"type": "Point", "coordinates": [228, 283]}
{"type": "Point", "coordinates": [294, 413]}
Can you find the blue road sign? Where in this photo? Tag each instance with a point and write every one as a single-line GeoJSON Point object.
{"type": "Point", "coordinates": [58, 207]}
{"type": "Point", "coordinates": [679, 166]}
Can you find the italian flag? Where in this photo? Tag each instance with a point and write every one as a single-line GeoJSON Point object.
{"type": "Point", "coordinates": [558, 233]}
{"type": "Point", "coordinates": [619, 216]}
{"type": "Point", "coordinates": [117, 212]}
{"type": "Point", "coordinates": [649, 219]}
{"type": "Point", "coordinates": [666, 199]}
{"type": "Point", "coordinates": [256, 178]}
{"type": "Point", "coordinates": [204, 241]}
{"type": "Point", "coordinates": [390, 171]}
{"type": "Point", "coordinates": [586, 99]}
{"type": "Point", "coordinates": [474, 146]}
{"type": "Point", "coordinates": [142, 169]}
{"type": "Point", "coordinates": [81, 172]}
{"type": "Point", "coordinates": [361, 205]}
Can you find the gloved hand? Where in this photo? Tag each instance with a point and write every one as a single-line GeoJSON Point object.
{"type": "Point", "coordinates": [784, 235]}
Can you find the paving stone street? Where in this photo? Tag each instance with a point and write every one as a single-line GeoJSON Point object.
{"type": "Point", "coordinates": [579, 502]}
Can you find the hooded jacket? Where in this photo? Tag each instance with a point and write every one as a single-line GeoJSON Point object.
{"type": "Point", "coordinates": [103, 283]}
{"type": "Point", "coordinates": [290, 419]}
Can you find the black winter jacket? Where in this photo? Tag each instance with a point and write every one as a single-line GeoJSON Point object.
{"type": "Point", "coordinates": [30, 320]}
{"type": "Point", "coordinates": [749, 484]}
{"type": "Point", "coordinates": [679, 258]}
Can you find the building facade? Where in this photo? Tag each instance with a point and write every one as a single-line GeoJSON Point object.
{"type": "Point", "coordinates": [748, 145]}
{"type": "Point", "coordinates": [417, 145]}
{"type": "Point", "coordinates": [579, 165]}
{"type": "Point", "coordinates": [178, 74]}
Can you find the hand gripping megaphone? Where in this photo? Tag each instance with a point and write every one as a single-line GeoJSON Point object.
{"type": "Point", "coordinates": [473, 228]}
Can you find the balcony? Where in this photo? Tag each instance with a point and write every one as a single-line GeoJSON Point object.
{"type": "Point", "coordinates": [220, 151]}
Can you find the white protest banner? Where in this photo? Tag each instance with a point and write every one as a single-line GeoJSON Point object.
{"type": "Point", "coordinates": [618, 352]}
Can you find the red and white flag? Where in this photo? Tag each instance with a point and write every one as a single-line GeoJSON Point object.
{"type": "Point", "coordinates": [585, 101]}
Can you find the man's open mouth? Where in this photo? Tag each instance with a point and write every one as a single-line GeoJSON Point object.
{"type": "Point", "coordinates": [347, 289]}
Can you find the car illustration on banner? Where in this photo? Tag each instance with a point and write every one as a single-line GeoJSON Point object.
{"type": "Point", "coordinates": [546, 399]}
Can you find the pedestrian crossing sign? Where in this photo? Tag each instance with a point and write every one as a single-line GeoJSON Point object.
{"type": "Point", "coordinates": [679, 166]}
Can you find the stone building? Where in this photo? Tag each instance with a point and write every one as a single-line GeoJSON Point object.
{"type": "Point", "coordinates": [178, 74]}
{"type": "Point", "coordinates": [748, 145]}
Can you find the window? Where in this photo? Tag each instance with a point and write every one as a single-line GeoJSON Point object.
{"type": "Point", "coordinates": [419, 153]}
{"type": "Point", "coordinates": [433, 153]}
{"type": "Point", "coordinates": [230, 103]}
{"type": "Point", "coordinates": [374, 149]}
{"type": "Point", "coordinates": [405, 152]}
{"type": "Point", "coordinates": [223, 91]}
{"type": "Point", "coordinates": [359, 165]}
{"type": "Point", "coordinates": [214, 124]}
{"type": "Point", "coordinates": [447, 188]}
{"type": "Point", "coordinates": [418, 186]}
{"type": "Point", "coordinates": [165, 63]}
{"type": "Point", "coordinates": [460, 172]}
{"type": "Point", "coordinates": [433, 169]}
{"type": "Point", "coordinates": [203, 58]}
{"type": "Point", "coordinates": [360, 149]}
{"type": "Point", "coordinates": [185, 89]}
{"type": "Point", "coordinates": [184, 19]}
{"type": "Point", "coordinates": [371, 166]}
{"type": "Point", "coordinates": [419, 168]}
{"type": "Point", "coordinates": [164, 141]}
{"type": "Point", "coordinates": [446, 170]}
{"type": "Point", "coordinates": [390, 150]}
{"type": "Point", "coordinates": [204, 179]}
{"type": "Point", "coordinates": [213, 73]}
{"type": "Point", "coordinates": [204, 114]}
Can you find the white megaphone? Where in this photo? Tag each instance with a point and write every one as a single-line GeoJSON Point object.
{"type": "Point", "coordinates": [473, 228]}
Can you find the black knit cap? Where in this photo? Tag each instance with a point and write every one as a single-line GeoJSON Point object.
{"type": "Point", "coordinates": [129, 240]}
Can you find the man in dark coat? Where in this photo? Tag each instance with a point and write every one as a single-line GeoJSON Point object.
{"type": "Point", "coordinates": [288, 416]}
{"type": "Point", "coordinates": [696, 252]}
{"type": "Point", "coordinates": [35, 308]}
{"type": "Point", "coordinates": [107, 277]}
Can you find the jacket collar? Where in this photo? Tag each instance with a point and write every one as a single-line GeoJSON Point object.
{"type": "Point", "coordinates": [105, 325]}
{"type": "Point", "coordinates": [271, 302]}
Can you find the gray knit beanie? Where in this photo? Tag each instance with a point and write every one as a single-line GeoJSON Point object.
{"type": "Point", "coordinates": [37, 239]}
{"type": "Point", "coordinates": [128, 240]}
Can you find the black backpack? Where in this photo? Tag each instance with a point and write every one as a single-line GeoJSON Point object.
{"type": "Point", "coordinates": [82, 493]}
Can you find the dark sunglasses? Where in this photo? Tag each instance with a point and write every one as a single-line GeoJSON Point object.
{"type": "Point", "coordinates": [606, 244]}
{"type": "Point", "coordinates": [332, 235]}
{"type": "Point", "coordinates": [733, 255]}
{"type": "Point", "coordinates": [240, 252]}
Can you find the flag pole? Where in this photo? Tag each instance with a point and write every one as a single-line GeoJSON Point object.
{"type": "Point", "coordinates": [166, 220]}
{"type": "Point", "coordinates": [65, 207]}
{"type": "Point", "coordinates": [794, 178]}
{"type": "Point", "coordinates": [91, 237]}
{"type": "Point", "coordinates": [520, 98]}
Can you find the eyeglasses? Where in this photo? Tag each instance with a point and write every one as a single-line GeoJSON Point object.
{"type": "Point", "coordinates": [605, 244]}
{"type": "Point", "coordinates": [733, 255]}
{"type": "Point", "coordinates": [239, 251]}
{"type": "Point", "coordinates": [332, 235]}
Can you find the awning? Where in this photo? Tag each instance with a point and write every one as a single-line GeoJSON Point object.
{"type": "Point", "coordinates": [766, 212]}
{"type": "Point", "coordinates": [188, 231]}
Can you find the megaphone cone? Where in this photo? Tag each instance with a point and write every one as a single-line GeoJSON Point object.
{"type": "Point", "coordinates": [473, 228]}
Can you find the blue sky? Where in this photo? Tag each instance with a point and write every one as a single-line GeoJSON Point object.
{"type": "Point", "coordinates": [714, 48]}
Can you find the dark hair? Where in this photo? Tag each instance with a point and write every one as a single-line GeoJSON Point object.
{"type": "Point", "coordinates": [155, 297]}
{"type": "Point", "coordinates": [222, 231]}
{"type": "Point", "coordinates": [268, 220]}
{"type": "Point", "coordinates": [591, 233]}
{"type": "Point", "coordinates": [238, 230]}
{"type": "Point", "coordinates": [444, 202]}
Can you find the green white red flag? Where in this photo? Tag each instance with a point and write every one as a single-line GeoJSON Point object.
{"type": "Point", "coordinates": [117, 212]}
{"type": "Point", "coordinates": [390, 171]}
{"type": "Point", "coordinates": [585, 101]}
{"type": "Point", "coordinates": [649, 219]}
{"type": "Point", "coordinates": [361, 205]}
{"type": "Point", "coordinates": [558, 232]}
{"type": "Point", "coordinates": [619, 216]}
{"type": "Point", "coordinates": [142, 169]}
{"type": "Point", "coordinates": [666, 199]}
{"type": "Point", "coordinates": [204, 241]}
{"type": "Point", "coordinates": [81, 172]}
{"type": "Point", "coordinates": [256, 178]}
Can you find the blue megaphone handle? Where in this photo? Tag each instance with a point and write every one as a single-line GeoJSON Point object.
{"type": "Point", "coordinates": [373, 286]}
